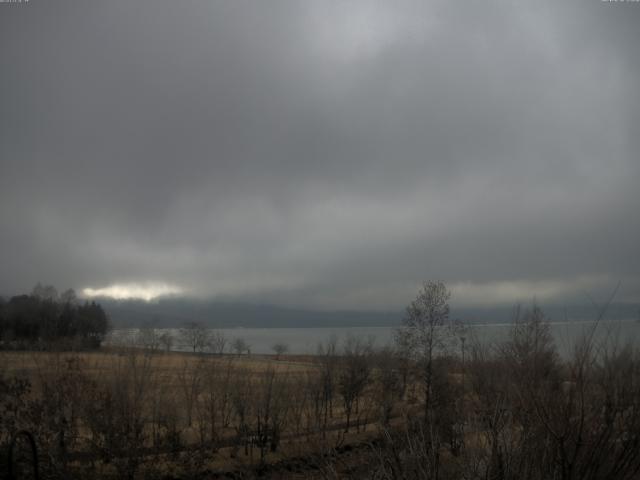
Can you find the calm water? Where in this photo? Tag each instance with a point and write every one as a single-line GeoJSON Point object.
{"type": "Point", "coordinates": [306, 340]}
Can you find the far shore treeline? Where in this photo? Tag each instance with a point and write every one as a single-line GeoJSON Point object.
{"type": "Point", "coordinates": [45, 318]}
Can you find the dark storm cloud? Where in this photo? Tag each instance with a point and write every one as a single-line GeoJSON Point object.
{"type": "Point", "coordinates": [331, 154]}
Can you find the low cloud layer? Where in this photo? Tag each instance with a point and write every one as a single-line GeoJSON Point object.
{"type": "Point", "coordinates": [128, 291]}
{"type": "Point", "coordinates": [323, 154]}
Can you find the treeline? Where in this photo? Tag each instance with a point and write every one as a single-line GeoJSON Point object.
{"type": "Point", "coordinates": [45, 317]}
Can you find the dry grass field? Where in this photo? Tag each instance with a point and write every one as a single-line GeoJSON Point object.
{"type": "Point", "coordinates": [178, 413]}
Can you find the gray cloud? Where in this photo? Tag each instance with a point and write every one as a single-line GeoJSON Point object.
{"type": "Point", "coordinates": [326, 154]}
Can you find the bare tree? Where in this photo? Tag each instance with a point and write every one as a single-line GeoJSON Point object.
{"type": "Point", "coordinates": [389, 382]}
{"type": "Point", "coordinates": [327, 355]}
{"type": "Point", "coordinates": [280, 349]}
{"type": "Point", "coordinates": [270, 410]}
{"type": "Point", "coordinates": [55, 416]}
{"type": "Point", "coordinates": [166, 340]}
{"type": "Point", "coordinates": [354, 374]}
{"type": "Point", "coordinates": [218, 342]}
{"type": "Point", "coordinates": [190, 379]}
{"type": "Point", "coordinates": [214, 405]}
{"type": "Point", "coordinates": [243, 404]}
{"type": "Point", "coordinates": [299, 405]}
{"type": "Point", "coordinates": [423, 335]}
{"type": "Point", "coordinates": [116, 413]}
{"type": "Point", "coordinates": [195, 336]}
{"type": "Point", "coordinates": [422, 332]}
{"type": "Point", "coordinates": [240, 346]}
{"type": "Point", "coordinates": [148, 337]}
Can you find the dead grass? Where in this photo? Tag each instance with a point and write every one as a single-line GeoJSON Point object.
{"type": "Point", "coordinates": [166, 369]}
{"type": "Point", "coordinates": [27, 364]}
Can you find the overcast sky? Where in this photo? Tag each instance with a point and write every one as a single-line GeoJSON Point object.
{"type": "Point", "coordinates": [326, 154]}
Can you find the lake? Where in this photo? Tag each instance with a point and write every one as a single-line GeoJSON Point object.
{"type": "Point", "coordinates": [306, 340]}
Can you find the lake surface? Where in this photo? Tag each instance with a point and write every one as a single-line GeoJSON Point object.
{"type": "Point", "coordinates": [306, 340]}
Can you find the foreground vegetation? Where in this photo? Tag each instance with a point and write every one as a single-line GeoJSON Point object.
{"type": "Point", "coordinates": [438, 405]}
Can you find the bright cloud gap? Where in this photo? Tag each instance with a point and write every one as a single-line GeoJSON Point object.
{"type": "Point", "coordinates": [130, 291]}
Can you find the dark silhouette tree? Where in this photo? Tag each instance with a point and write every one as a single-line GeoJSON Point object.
{"type": "Point", "coordinates": [422, 332]}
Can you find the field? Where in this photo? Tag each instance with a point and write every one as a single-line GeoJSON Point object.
{"type": "Point", "coordinates": [179, 413]}
{"type": "Point", "coordinates": [513, 410]}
